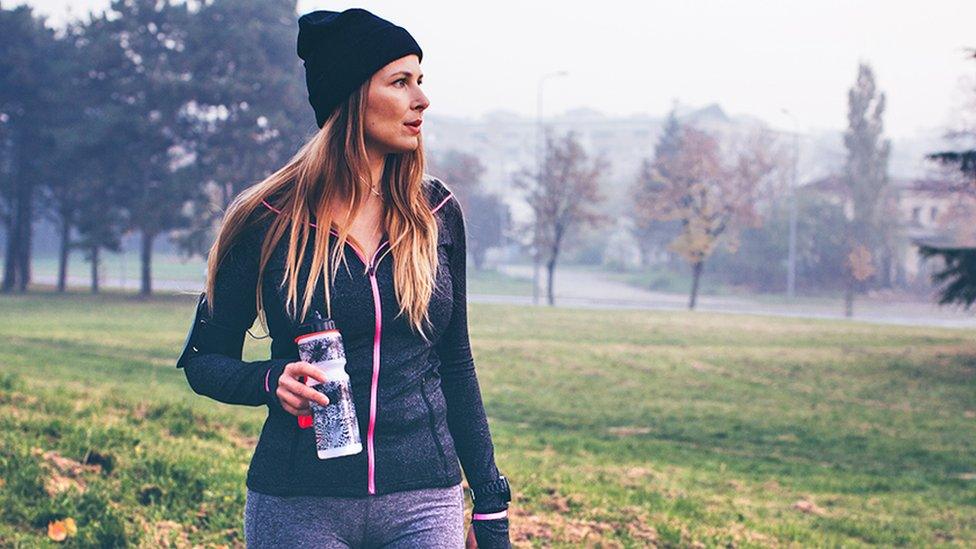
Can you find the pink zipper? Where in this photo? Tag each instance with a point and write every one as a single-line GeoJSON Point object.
{"type": "Point", "coordinates": [377, 333]}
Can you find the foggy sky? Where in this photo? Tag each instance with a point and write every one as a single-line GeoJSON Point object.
{"type": "Point", "coordinates": [753, 57]}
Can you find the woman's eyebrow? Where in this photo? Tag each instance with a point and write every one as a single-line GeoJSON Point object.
{"type": "Point", "coordinates": [406, 73]}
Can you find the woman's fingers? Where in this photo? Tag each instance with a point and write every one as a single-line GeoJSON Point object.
{"type": "Point", "coordinates": [302, 368]}
{"type": "Point", "coordinates": [304, 392]}
{"type": "Point", "coordinates": [288, 399]}
{"type": "Point", "coordinates": [293, 394]}
{"type": "Point", "coordinates": [288, 404]}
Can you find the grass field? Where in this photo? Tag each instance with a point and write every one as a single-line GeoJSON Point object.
{"type": "Point", "coordinates": [619, 428]}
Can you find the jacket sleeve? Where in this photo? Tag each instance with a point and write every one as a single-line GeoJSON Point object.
{"type": "Point", "coordinates": [211, 357]}
{"type": "Point", "coordinates": [466, 416]}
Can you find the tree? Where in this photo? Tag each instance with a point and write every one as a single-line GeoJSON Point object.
{"type": "Point", "coordinates": [711, 197]}
{"type": "Point", "coordinates": [956, 279]}
{"type": "Point", "coordinates": [147, 69]}
{"type": "Point", "coordinates": [461, 170]}
{"type": "Point", "coordinates": [490, 219]}
{"type": "Point", "coordinates": [486, 215]}
{"type": "Point", "coordinates": [866, 178]}
{"type": "Point", "coordinates": [963, 160]}
{"type": "Point", "coordinates": [246, 112]}
{"type": "Point", "coordinates": [73, 174]}
{"type": "Point", "coordinates": [653, 234]}
{"type": "Point", "coordinates": [29, 109]}
{"type": "Point", "coordinates": [563, 198]}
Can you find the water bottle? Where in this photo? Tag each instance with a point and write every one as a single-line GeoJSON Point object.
{"type": "Point", "coordinates": [336, 426]}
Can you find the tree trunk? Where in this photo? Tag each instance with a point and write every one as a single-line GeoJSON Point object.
{"type": "Point", "coordinates": [25, 209]}
{"type": "Point", "coordinates": [94, 269]}
{"type": "Point", "coordinates": [16, 273]}
{"type": "Point", "coordinates": [63, 256]}
{"type": "Point", "coordinates": [479, 259]}
{"type": "Point", "coordinates": [551, 265]}
{"type": "Point", "coordinates": [535, 277]}
{"type": "Point", "coordinates": [15, 238]}
{"type": "Point", "coordinates": [10, 257]}
{"type": "Point", "coordinates": [696, 271]}
{"type": "Point", "coordinates": [146, 260]}
{"type": "Point", "coordinates": [646, 253]}
{"type": "Point", "coordinates": [550, 276]}
{"type": "Point", "coordinates": [849, 297]}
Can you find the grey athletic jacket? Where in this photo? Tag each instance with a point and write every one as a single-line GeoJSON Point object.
{"type": "Point", "coordinates": [419, 405]}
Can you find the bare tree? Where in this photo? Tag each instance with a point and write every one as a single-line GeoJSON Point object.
{"type": "Point", "coordinates": [711, 197]}
{"type": "Point", "coordinates": [563, 197]}
{"type": "Point", "coordinates": [486, 215]}
{"type": "Point", "coordinates": [462, 171]}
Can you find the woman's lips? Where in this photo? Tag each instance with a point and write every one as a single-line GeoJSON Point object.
{"type": "Point", "coordinates": [415, 127]}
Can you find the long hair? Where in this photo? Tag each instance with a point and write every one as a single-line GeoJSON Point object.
{"type": "Point", "coordinates": [333, 166]}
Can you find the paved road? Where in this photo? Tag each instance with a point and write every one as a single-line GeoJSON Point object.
{"type": "Point", "coordinates": [580, 288]}
{"type": "Point", "coordinates": [586, 289]}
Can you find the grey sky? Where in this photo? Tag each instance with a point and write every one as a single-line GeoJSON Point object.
{"type": "Point", "coordinates": [753, 57]}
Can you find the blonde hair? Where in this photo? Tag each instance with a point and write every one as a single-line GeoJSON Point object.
{"type": "Point", "coordinates": [332, 166]}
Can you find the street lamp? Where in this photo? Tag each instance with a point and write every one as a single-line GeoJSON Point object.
{"type": "Point", "coordinates": [791, 262]}
{"type": "Point", "coordinates": [539, 145]}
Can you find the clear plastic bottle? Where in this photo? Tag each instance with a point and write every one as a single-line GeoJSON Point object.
{"type": "Point", "coordinates": [336, 426]}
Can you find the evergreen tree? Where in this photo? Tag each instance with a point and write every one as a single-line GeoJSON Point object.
{"type": "Point", "coordinates": [957, 277]}
{"type": "Point", "coordinates": [248, 110]}
{"type": "Point", "coordinates": [148, 74]}
{"type": "Point", "coordinates": [866, 178]}
{"type": "Point", "coordinates": [651, 233]}
{"type": "Point", "coordinates": [29, 109]}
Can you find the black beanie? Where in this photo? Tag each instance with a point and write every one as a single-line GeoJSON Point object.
{"type": "Point", "coordinates": [342, 50]}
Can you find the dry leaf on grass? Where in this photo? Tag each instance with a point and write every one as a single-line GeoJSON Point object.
{"type": "Point", "coordinates": [809, 507]}
{"type": "Point", "coordinates": [59, 530]}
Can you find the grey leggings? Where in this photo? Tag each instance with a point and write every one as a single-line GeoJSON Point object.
{"type": "Point", "coordinates": [429, 517]}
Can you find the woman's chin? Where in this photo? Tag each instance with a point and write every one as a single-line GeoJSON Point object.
{"type": "Point", "coordinates": [406, 145]}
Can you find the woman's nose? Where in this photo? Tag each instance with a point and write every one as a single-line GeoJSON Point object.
{"type": "Point", "coordinates": [422, 102]}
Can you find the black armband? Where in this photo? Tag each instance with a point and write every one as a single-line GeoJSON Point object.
{"type": "Point", "coordinates": [205, 336]}
{"type": "Point", "coordinates": [491, 496]}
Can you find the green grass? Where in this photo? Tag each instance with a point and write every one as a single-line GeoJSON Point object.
{"type": "Point", "coordinates": [620, 427]}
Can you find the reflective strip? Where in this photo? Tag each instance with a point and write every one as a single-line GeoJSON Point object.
{"type": "Point", "coordinates": [489, 516]}
{"type": "Point", "coordinates": [446, 198]}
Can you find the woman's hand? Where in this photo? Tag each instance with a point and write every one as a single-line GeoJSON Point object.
{"type": "Point", "coordinates": [292, 391]}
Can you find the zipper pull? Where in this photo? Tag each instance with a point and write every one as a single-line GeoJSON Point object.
{"type": "Point", "coordinates": [372, 270]}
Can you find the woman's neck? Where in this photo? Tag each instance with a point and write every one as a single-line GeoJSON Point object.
{"type": "Point", "coordinates": [377, 162]}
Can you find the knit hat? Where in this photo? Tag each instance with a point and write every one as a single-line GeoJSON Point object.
{"type": "Point", "coordinates": [342, 50]}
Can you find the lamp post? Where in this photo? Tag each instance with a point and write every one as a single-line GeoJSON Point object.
{"type": "Point", "coordinates": [539, 145]}
{"type": "Point", "coordinates": [791, 262]}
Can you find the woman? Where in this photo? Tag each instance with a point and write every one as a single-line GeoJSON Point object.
{"type": "Point", "coordinates": [400, 304]}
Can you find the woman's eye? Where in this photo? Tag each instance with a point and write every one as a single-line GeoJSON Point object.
{"type": "Point", "coordinates": [400, 80]}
